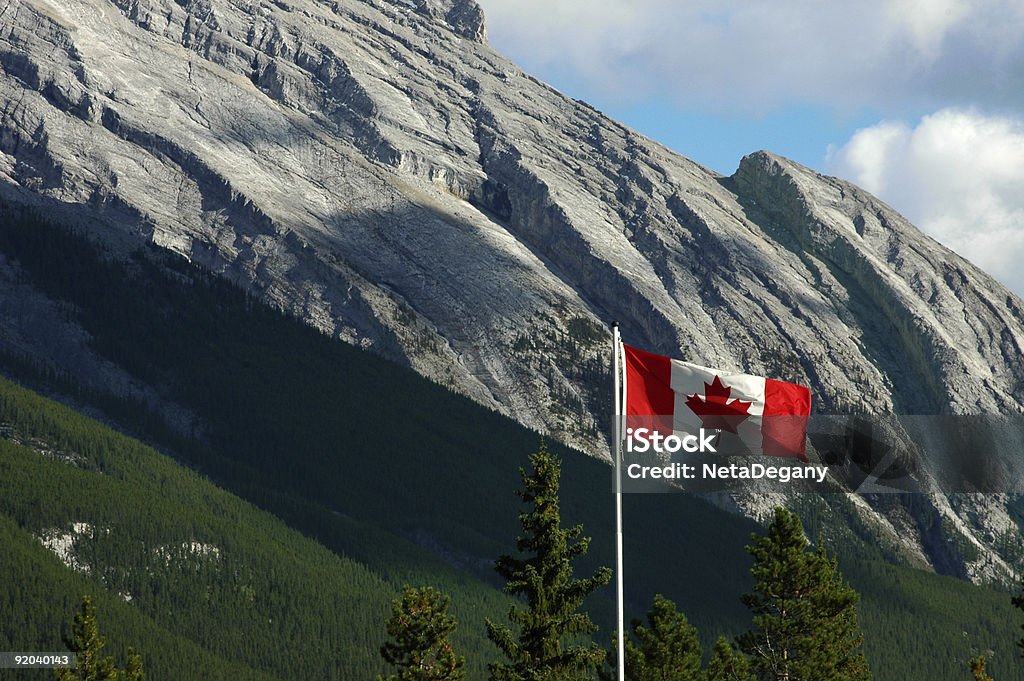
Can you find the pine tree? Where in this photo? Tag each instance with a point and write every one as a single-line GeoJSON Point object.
{"type": "Point", "coordinates": [667, 648]}
{"type": "Point", "coordinates": [805, 615]}
{"type": "Point", "coordinates": [87, 644]}
{"type": "Point", "coordinates": [548, 645]}
{"type": "Point", "coordinates": [419, 628]}
{"type": "Point", "coordinates": [727, 663]}
{"type": "Point", "coordinates": [133, 672]}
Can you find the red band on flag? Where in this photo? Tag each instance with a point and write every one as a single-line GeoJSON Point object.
{"type": "Point", "coordinates": [786, 409]}
{"type": "Point", "coordinates": [785, 399]}
{"type": "Point", "coordinates": [649, 391]}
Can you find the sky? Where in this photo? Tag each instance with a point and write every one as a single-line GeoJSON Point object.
{"type": "Point", "coordinates": [920, 102]}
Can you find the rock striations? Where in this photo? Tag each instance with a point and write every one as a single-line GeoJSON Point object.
{"type": "Point", "coordinates": [376, 168]}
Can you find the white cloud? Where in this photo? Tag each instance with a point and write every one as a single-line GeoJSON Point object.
{"type": "Point", "coordinates": [754, 55]}
{"type": "Point", "coordinates": [926, 22]}
{"type": "Point", "coordinates": [958, 175]}
{"type": "Point", "coordinates": [869, 155]}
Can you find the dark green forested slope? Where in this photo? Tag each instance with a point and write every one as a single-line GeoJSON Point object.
{"type": "Point", "coordinates": [404, 479]}
{"type": "Point", "coordinates": [922, 626]}
{"type": "Point", "coordinates": [40, 594]}
{"type": "Point", "coordinates": [217, 588]}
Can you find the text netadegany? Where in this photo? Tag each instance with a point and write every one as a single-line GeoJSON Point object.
{"type": "Point", "coordinates": [733, 471]}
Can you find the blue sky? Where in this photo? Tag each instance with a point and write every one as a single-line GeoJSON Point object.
{"type": "Point", "coordinates": [919, 101]}
{"type": "Point", "coordinates": [718, 140]}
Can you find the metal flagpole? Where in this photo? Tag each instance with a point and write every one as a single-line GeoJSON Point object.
{"type": "Point", "coordinates": [617, 453]}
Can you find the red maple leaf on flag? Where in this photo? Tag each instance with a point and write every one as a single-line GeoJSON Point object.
{"type": "Point", "coordinates": [716, 410]}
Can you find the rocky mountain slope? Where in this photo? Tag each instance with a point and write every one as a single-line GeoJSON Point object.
{"type": "Point", "coordinates": [377, 169]}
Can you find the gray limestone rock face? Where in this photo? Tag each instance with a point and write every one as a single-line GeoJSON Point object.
{"type": "Point", "coordinates": [465, 17]}
{"type": "Point", "coordinates": [377, 169]}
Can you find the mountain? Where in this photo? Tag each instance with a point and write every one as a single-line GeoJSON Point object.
{"type": "Point", "coordinates": [378, 170]}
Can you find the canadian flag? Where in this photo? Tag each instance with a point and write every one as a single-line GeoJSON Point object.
{"type": "Point", "coordinates": [760, 414]}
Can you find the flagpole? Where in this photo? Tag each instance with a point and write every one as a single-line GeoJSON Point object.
{"type": "Point", "coordinates": [617, 453]}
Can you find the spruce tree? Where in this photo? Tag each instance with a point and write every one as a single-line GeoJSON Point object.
{"type": "Point", "coordinates": [133, 671]}
{"type": "Point", "coordinates": [805, 615]}
{"type": "Point", "coordinates": [548, 644]}
{"type": "Point", "coordinates": [666, 649]}
{"type": "Point", "coordinates": [87, 644]}
{"type": "Point", "coordinates": [727, 663]}
{"type": "Point", "coordinates": [419, 628]}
